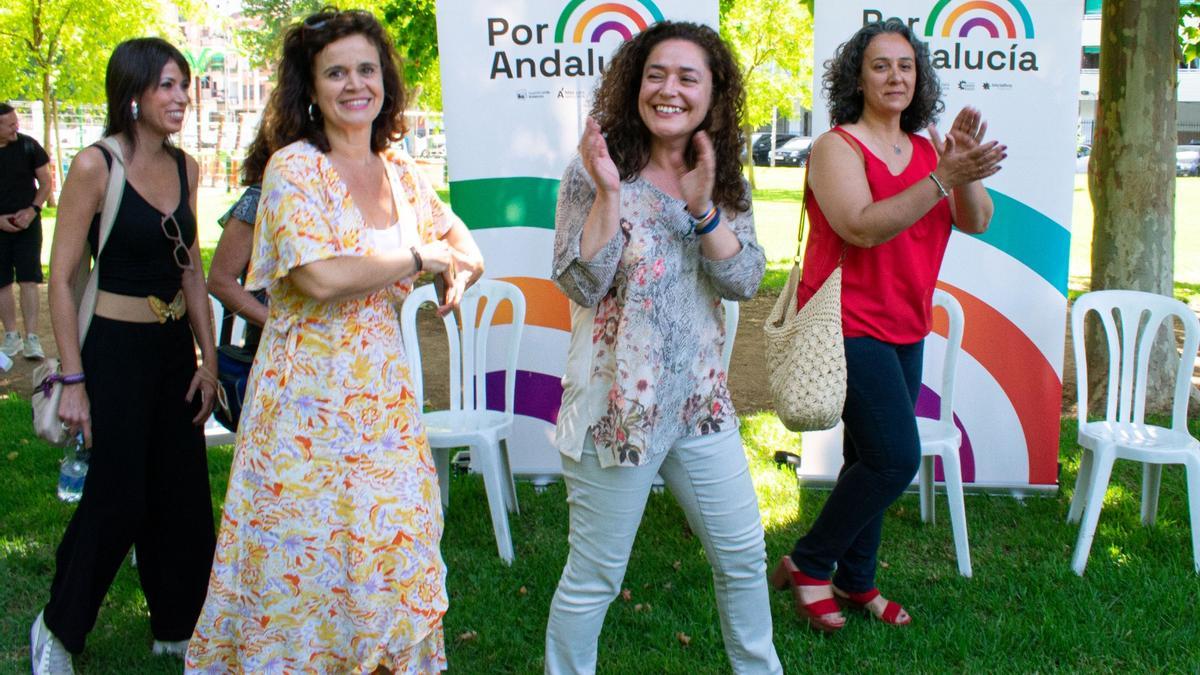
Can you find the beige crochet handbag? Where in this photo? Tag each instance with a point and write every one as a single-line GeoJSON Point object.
{"type": "Point", "coordinates": [47, 381]}
{"type": "Point", "coordinates": [806, 358]}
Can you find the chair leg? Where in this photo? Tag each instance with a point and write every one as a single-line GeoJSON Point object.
{"type": "Point", "coordinates": [488, 461]}
{"type": "Point", "coordinates": [1151, 480]}
{"type": "Point", "coordinates": [510, 492]}
{"type": "Point", "coordinates": [441, 461]}
{"type": "Point", "coordinates": [1193, 484]}
{"type": "Point", "coordinates": [1097, 486]}
{"type": "Point", "coordinates": [1082, 481]}
{"type": "Point", "coordinates": [958, 511]}
{"type": "Point", "coordinates": [925, 489]}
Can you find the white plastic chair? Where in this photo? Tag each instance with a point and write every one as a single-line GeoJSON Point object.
{"type": "Point", "coordinates": [468, 422]}
{"type": "Point", "coordinates": [1132, 321]}
{"type": "Point", "coordinates": [941, 438]}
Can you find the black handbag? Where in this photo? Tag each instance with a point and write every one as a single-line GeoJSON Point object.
{"type": "Point", "coordinates": [233, 371]}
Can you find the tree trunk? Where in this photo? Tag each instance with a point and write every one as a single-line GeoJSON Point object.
{"type": "Point", "coordinates": [1131, 176]}
{"type": "Point", "coordinates": [47, 121]}
{"type": "Point", "coordinates": [57, 154]}
{"type": "Point", "coordinates": [748, 132]}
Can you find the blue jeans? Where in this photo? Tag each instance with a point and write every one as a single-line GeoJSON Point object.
{"type": "Point", "coordinates": [881, 453]}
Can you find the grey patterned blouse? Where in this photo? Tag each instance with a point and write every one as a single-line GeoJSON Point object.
{"type": "Point", "coordinates": [647, 327]}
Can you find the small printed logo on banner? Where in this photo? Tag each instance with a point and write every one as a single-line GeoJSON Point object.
{"type": "Point", "coordinates": [525, 94]}
{"type": "Point", "coordinates": [571, 94]}
{"type": "Point", "coordinates": [580, 22]}
{"type": "Point", "coordinates": [967, 86]}
{"type": "Point", "coordinates": [994, 86]}
{"type": "Point", "coordinates": [967, 20]}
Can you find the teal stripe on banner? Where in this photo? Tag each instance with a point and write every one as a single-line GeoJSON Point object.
{"type": "Point", "coordinates": [1030, 237]}
{"type": "Point", "coordinates": [505, 202]}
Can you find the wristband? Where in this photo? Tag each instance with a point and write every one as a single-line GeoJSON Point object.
{"type": "Point", "coordinates": [941, 188]}
{"type": "Point", "coordinates": [37, 209]}
{"type": "Point", "coordinates": [417, 258]}
{"type": "Point", "coordinates": [73, 378]}
{"type": "Point", "coordinates": [711, 224]}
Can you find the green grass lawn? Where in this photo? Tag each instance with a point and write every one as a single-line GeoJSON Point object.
{"type": "Point", "coordinates": [1024, 610]}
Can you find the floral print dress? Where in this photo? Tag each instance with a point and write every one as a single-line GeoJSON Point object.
{"type": "Point", "coordinates": [647, 326]}
{"type": "Point", "coordinates": [327, 560]}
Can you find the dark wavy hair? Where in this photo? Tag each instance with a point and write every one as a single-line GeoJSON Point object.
{"type": "Point", "coordinates": [134, 67]}
{"type": "Point", "coordinates": [616, 107]}
{"type": "Point", "coordinates": [843, 74]}
{"type": "Point", "coordinates": [286, 118]}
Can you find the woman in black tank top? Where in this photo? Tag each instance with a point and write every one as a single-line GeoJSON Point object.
{"type": "Point", "coordinates": [137, 395]}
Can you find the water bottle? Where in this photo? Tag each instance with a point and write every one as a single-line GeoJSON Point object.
{"type": "Point", "coordinates": [5, 362]}
{"type": "Point", "coordinates": [74, 471]}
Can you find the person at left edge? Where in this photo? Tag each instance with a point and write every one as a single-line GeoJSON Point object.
{"type": "Point", "coordinates": [141, 400]}
{"type": "Point", "coordinates": [24, 187]}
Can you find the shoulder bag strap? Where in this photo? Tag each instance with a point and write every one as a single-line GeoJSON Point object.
{"type": "Point", "coordinates": [804, 200]}
{"type": "Point", "coordinates": [108, 216]}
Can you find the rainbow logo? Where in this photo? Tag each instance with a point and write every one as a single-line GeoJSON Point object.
{"type": "Point", "coordinates": [975, 16]}
{"type": "Point", "coordinates": [606, 17]}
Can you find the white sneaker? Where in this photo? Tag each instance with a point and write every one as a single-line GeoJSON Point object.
{"type": "Point", "coordinates": [47, 653]}
{"type": "Point", "coordinates": [12, 344]}
{"type": "Point", "coordinates": [33, 348]}
{"type": "Point", "coordinates": [177, 649]}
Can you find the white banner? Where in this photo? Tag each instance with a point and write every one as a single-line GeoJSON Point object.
{"type": "Point", "coordinates": [1018, 62]}
{"type": "Point", "coordinates": [517, 82]}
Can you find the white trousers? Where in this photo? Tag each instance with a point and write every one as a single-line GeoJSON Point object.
{"type": "Point", "coordinates": [711, 481]}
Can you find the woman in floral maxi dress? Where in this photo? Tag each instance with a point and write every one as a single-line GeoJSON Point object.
{"type": "Point", "coordinates": [327, 558]}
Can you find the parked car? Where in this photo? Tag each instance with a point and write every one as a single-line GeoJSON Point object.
{"type": "Point", "coordinates": [794, 152]}
{"type": "Point", "coordinates": [1083, 155]}
{"type": "Point", "coordinates": [1187, 160]}
{"type": "Point", "coordinates": [761, 144]}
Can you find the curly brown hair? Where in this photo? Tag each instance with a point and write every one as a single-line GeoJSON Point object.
{"type": "Point", "coordinates": [844, 71]}
{"type": "Point", "coordinates": [287, 119]}
{"type": "Point", "coordinates": [616, 107]}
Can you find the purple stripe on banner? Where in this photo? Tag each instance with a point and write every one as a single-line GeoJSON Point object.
{"type": "Point", "coordinates": [929, 405]}
{"type": "Point", "coordinates": [538, 395]}
{"type": "Point", "coordinates": [976, 23]}
{"type": "Point", "coordinates": [611, 25]}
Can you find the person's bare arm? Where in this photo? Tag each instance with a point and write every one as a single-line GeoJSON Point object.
{"type": "Point", "coordinates": [228, 262]}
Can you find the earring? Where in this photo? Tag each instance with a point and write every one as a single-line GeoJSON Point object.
{"type": "Point", "coordinates": [313, 111]}
{"type": "Point", "coordinates": [134, 107]}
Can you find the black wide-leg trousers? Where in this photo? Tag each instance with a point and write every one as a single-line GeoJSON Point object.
{"type": "Point", "coordinates": [147, 484]}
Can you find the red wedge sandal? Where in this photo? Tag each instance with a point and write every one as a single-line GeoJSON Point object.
{"type": "Point", "coordinates": [823, 615]}
{"type": "Point", "coordinates": [891, 612]}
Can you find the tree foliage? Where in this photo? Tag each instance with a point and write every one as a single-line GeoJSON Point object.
{"type": "Point", "coordinates": [61, 47]}
{"type": "Point", "coordinates": [413, 25]}
{"type": "Point", "coordinates": [773, 42]}
{"type": "Point", "coordinates": [1189, 31]}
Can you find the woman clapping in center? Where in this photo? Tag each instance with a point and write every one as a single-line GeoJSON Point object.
{"type": "Point", "coordinates": [653, 229]}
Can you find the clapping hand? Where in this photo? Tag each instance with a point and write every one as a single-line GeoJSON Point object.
{"type": "Point", "coordinates": [593, 151]}
{"type": "Point", "coordinates": [963, 156]}
{"type": "Point", "coordinates": [697, 184]}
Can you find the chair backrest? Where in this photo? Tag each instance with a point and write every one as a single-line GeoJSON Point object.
{"type": "Point", "coordinates": [468, 342]}
{"type": "Point", "coordinates": [1132, 321]}
{"type": "Point", "coordinates": [953, 346]}
{"type": "Point", "coordinates": [732, 310]}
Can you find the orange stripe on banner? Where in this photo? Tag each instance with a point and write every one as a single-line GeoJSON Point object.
{"type": "Point", "coordinates": [545, 305]}
{"type": "Point", "coordinates": [1022, 372]}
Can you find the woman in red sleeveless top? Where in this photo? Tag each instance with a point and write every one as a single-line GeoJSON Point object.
{"type": "Point", "coordinates": [886, 199]}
